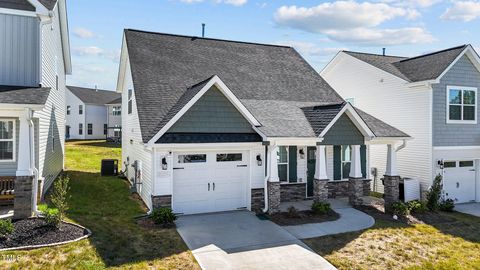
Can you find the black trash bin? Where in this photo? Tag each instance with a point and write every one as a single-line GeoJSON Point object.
{"type": "Point", "coordinates": [109, 167]}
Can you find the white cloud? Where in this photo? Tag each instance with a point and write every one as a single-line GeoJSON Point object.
{"type": "Point", "coordinates": [463, 10]}
{"type": "Point", "coordinates": [95, 51]}
{"type": "Point", "coordinates": [309, 49]}
{"type": "Point", "coordinates": [83, 33]}
{"type": "Point", "coordinates": [373, 37]}
{"type": "Point", "coordinates": [338, 15]}
{"type": "Point", "coordinates": [412, 3]}
{"type": "Point", "coordinates": [228, 2]}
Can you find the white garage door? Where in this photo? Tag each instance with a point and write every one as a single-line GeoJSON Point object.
{"type": "Point", "coordinates": [459, 180]}
{"type": "Point", "coordinates": [210, 181]}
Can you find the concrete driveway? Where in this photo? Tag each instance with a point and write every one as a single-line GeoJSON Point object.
{"type": "Point", "coordinates": [239, 240]}
{"type": "Point", "coordinates": [468, 208]}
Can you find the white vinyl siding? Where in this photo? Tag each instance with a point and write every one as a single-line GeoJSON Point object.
{"type": "Point", "coordinates": [389, 99]}
{"type": "Point", "coordinates": [74, 119]}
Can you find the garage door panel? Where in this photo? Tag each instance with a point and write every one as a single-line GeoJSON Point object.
{"type": "Point", "coordinates": [459, 181]}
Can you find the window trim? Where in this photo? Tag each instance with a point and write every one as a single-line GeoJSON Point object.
{"type": "Point", "coordinates": [342, 177]}
{"type": "Point", "coordinates": [80, 109]}
{"type": "Point", "coordinates": [461, 88]}
{"type": "Point", "coordinates": [287, 163]}
{"type": "Point", "coordinates": [69, 109]}
{"type": "Point", "coordinates": [13, 140]}
{"type": "Point", "coordinates": [117, 110]}
{"type": "Point", "coordinates": [80, 129]}
{"type": "Point", "coordinates": [89, 129]}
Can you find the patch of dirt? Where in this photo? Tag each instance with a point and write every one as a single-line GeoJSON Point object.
{"type": "Point", "coordinates": [148, 223]}
{"type": "Point", "coordinates": [302, 217]}
{"type": "Point", "coordinates": [35, 231]}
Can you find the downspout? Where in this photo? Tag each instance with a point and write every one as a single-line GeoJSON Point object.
{"type": "Point", "coordinates": [33, 161]}
{"type": "Point", "coordinates": [403, 145]}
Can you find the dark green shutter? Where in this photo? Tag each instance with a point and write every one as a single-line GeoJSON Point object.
{"type": "Point", "coordinates": [292, 163]}
{"type": "Point", "coordinates": [363, 160]}
{"type": "Point", "coordinates": [337, 162]}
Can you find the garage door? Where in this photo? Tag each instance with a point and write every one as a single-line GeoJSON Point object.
{"type": "Point", "coordinates": [459, 180]}
{"type": "Point", "coordinates": [206, 182]}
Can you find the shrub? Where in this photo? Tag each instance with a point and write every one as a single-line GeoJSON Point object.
{"type": "Point", "coordinates": [51, 215]}
{"type": "Point", "coordinates": [321, 208]}
{"type": "Point", "coordinates": [293, 212]}
{"type": "Point", "coordinates": [163, 216]}
{"type": "Point", "coordinates": [434, 194]}
{"type": "Point", "coordinates": [400, 209]}
{"type": "Point", "coordinates": [6, 227]}
{"type": "Point", "coordinates": [59, 196]}
{"type": "Point", "coordinates": [417, 206]}
{"type": "Point", "coordinates": [447, 205]}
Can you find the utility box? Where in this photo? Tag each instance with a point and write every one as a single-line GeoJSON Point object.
{"type": "Point", "coordinates": [109, 167]}
{"type": "Point", "coordinates": [409, 189]}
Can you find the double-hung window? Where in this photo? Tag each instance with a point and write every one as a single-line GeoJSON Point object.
{"type": "Point", "coordinates": [7, 140]}
{"type": "Point", "coordinates": [117, 110]}
{"type": "Point", "coordinates": [80, 109]}
{"type": "Point", "coordinates": [130, 97]}
{"type": "Point", "coordinates": [69, 110]}
{"type": "Point", "coordinates": [461, 105]}
{"type": "Point", "coordinates": [346, 160]}
{"type": "Point", "coordinates": [282, 161]}
{"type": "Point", "coordinates": [89, 129]}
{"type": "Point", "coordinates": [80, 129]}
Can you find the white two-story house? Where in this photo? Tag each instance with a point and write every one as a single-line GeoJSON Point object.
{"type": "Point", "coordinates": [88, 113]}
{"type": "Point", "coordinates": [34, 59]}
{"type": "Point", "coordinates": [432, 97]}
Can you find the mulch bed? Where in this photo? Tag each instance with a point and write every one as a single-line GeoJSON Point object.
{"type": "Point", "coordinates": [148, 223]}
{"type": "Point", "coordinates": [35, 231]}
{"type": "Point", "coordinates": [302, 217]}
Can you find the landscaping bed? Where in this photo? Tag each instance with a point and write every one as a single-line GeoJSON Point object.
{"type": "Point", "coordinates": [36, 232]}
{"type": "Point", "coordinates": [302, 217]}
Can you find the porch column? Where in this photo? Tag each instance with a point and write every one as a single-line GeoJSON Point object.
{"type": "Point", "coordinates": [355, 182]}
{"type": "Point", "coordinates": [273, 184]}
{"type": "Point", "coordinates": [24, 167]}
{"type": "Point", "coordinates": [391, 179]}
{"type": "Point", "coordinates": [320, 179]}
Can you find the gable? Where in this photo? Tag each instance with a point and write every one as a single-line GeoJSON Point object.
{"type": "Point", "coordinates": [212, 113]}
{"type": "Point", "coordinates": [343, 132]}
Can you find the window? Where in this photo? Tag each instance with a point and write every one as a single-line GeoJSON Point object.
{"type": "Point", "coordinates": [449, 164]}
{"type": "Point", "coordinates": [350, 100]}
{"type": "Point", "coordinates": [80, 109]}
{"type": "Point", "coordinates": [229, 157]}
{"type": "Point", "coordinates": [467, 163]}
{"type": "Point", "coordinates": [282, 160]}
{"type": "Point", "coordinates": [7, 140]}
{"type": "Point", "coordinates": [68, 110]}
{"type": "Point", "coordinates": [52, 136]}
{"type": "Point", "coordinates": [461, 105]}
{"type": "Point", "coordinates": [200, 158]}
{"type": "Point", "coordinates": [89, 129]}
{"type": "Point", "coordinates": [56, 82]}
{"type": "Point", "coordinates": [346, 160]}
{"type": "Point", "coordinates": [105, 128]}
{"type": "Point", "coordinates": [117, 110]}
{"type": "Point", "coordinates": [80, 129]}
{"type": "Point", "coordinates": [117, 131]}
{"type": "Point", "coordinates": [130, 96]}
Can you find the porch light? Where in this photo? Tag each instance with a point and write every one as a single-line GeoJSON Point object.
{"type": "Point", "coordinates": [302, 153]}
{"type": "Point", "coordinates": [164, 164]}
{"type": "Point", "coordinates": [259, 160]}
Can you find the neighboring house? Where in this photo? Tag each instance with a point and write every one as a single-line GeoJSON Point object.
{"type": "Point", "coordinates": [114, 119]}
{"type": "Point", "coordinates": [33, 64]}
{"type": "Point", "coordinates": [434, 99]}
{"type": "Point", "coordinates": [214, 125]}
{"type": "Point", "coordinates": [87, 113]}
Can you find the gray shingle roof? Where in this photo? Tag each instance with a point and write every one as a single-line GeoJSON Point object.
{"type": "Point", "coordinates": [380, 128]}
{"type": "Point", "coordinates": [49, 4]}
{"type": "Point", "coordinates": [320, 116]}
{"type": "Point", "coordinates": [92, 96]}
{"type": "Point", "coordinates": [273, 82]}
{"type": "Point", "coordinates": [22, 95]}
{"type": "Point", "coordinates": [413, 69]}
{"type": "Point", "coordinates": [115, 101]}
{"type": "Point", "coordinates": [17, 4]}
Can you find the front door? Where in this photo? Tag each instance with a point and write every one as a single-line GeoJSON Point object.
{"type": "Point", "coordinates": [67, 132]}
{"type": "Point", "coordinates": [310, 170]}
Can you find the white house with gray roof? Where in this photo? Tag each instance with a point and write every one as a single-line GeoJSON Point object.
{"type": "Point", "coordinates": [33, 65]}
{"type": "Point", "coordinates": [433, 98]}
{"type": "Point", "coordinates": [215, 125]}
{"type": "Point", "coordinates": [88, 113]}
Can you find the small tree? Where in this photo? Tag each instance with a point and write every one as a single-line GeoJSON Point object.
{"type": "Point", "coordinates": [60, 195]}
{"type": "Point", "coordinates": [434, 194]}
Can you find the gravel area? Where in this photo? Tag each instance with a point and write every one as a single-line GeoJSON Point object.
{"type": "Point", "coordinates": [35, 231]}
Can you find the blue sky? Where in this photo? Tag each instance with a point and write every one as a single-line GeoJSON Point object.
{"type": "Point", "coordinates": [317, 29]}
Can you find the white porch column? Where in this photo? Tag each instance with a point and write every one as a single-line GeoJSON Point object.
{"type": "Point", "coordinates": [274, 164]}
{"type": "Point", "coordinates": [356, 164]}
{"type": "Point", "coordinates": [321, 163]}
{"type": "Point", "coordinates": [391, 169]}
{"type": "Point", "coordinates": [24, 167]}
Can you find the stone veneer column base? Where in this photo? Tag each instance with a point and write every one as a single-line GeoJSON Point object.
{"type": "Point", "coordinates": [355, 191]}
{"type": "Point", "coordinates": [257, 199]}
{"type": "Point", "coordinates": [391, 191]}
{"type": "Point", "coordinates": [22, 204]}
{"type": "Point", "coordinates": [273, 197]}
{"type": "Point", "coordinates": [320, 190]}
{"type": "Point", "coordinates": [161, 201]}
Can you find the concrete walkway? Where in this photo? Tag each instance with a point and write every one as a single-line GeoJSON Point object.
{"type": "Point", "coordinates": [468, 208]}
{"type": "Point", "coordinates": [240, 240]}
{"type": "Point", "coordinates": [350, 220]}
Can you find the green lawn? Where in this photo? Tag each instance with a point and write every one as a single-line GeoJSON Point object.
{"type": "Point", "coordinates": [104, 205]}
{"type": "Point", "coordinates": [447, 241]}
